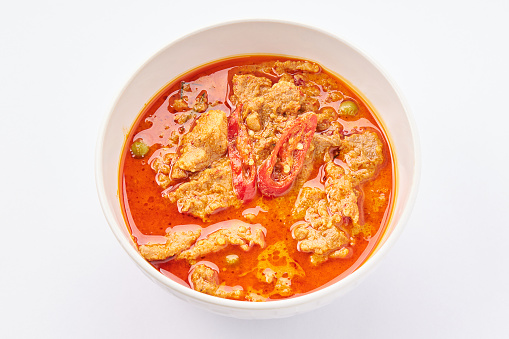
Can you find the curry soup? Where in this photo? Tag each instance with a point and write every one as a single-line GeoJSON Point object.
{"type": "Point", "coordinates": [256, 178]}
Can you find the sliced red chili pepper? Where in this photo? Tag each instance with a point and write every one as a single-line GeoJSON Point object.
{"type": "Point", "coordinates": [241, 158]}
{"type": "Point", "coordinates": [288, 155]}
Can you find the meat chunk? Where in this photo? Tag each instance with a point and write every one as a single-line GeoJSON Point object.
{"type": "Point", "coordinates": [161, 162]}
{"type": "Point", "coordinates": [325, 118]}
{"type": "Point", "coordinates": [308, 197]}
{"type": "Point", "coordinates": [283, 98]}
{"type": "Point", "coordinates": [341, 193]}
{"type": "Point", "coordinates": [204, 144]}
{"type": "Point", "coordinates": [363, 153]}
{"type": "Point", "coordinates": [259, 95]}
{"type": "Point", "coordinates": [321, 234]}
{"type": "Point", "coordinates": [319, 145]}
{"type": "Point", "coordinates": [201, 103]}
{"type": "Point", "coordinates": [180, 105]}
{"type": "Point", "coordinates": [205, 279]}
{"type": "Point", "coordinates": [324, 243]}
{"type": "Point", "coordinates": [247, 87]}
{"type": "Point", "coordinates": [207, 192]}
{"type": "Point", "coordinates": [266, 109]}
{"type": "Point", "coordinates": [292, 66]}
{"type": "Point", "coordinates": [253, 122]}
{"type": "Point", "coordinates": [182, 118]}
{"type": "Point", "coordinates": [176, 242]}
{"type": "Point", "coordinates": [328, 212]}
{"type": "Point", "coordinates": [241, 234]}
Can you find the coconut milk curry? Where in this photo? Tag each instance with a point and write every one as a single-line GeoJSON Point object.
{"type": "Point", "coordinates": [257, 178]}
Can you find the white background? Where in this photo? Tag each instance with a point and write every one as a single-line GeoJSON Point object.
{"type": "Point", "coordinates": [63, 274]}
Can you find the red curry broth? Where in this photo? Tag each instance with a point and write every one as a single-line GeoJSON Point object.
{"type": "Point", "coordinates": [149, 214]}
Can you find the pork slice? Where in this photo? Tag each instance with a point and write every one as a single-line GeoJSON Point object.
{"type": "Point", "coordinates": [341, 193]}
{"type": "Point", "coordinates": [321, 233]}
{"type": "Point", "coordinates": [205, 279]}
{"type": "Point", "coordinates": [284, 98]}
{"type": "Point", "coordinates": [321, 143]}
{"type": "Point", "coordinates": [203, 145]}
{"type": "Point", "coordinates": [259, 96]}
{"type": "Point", "coordinates": [243, 235]}
{"type": "Point", "coordinates": [322, 238]}
{"type": "Point", "coordinates": [176, 242]}
{"type": "Point", "coordinates": [363, 153]}
{"type": "Point", "coordinates": [327, 212]}
{"type": "Point", "coordinates": [292, 66]}
{"type": "Point", "coordinates": [246, 87]}
{"type": "Point", "coordinates": [207, 192]}
{"type": "Point", "coordinates": [308, 197]}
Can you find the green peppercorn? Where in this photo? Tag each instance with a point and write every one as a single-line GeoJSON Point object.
{"type": "Point", "coordinates": [139, 148]}
{"type": "Point", "coordinates": [348, 107]}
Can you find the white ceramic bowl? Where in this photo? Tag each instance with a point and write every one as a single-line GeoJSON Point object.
{"type": "Point", "coordinates": [271, 37]}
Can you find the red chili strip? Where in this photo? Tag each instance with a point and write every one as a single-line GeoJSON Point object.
{"type": "Point", "coordinates": [289, 152]}
{"type": "Point", "coordinates": [242, 160]}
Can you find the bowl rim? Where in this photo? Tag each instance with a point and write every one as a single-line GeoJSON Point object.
{"type": "Point", "coordinates": [341, 285]}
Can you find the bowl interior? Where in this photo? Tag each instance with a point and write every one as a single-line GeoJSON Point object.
{"type": "Point", "coordinates": [257, 37]}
